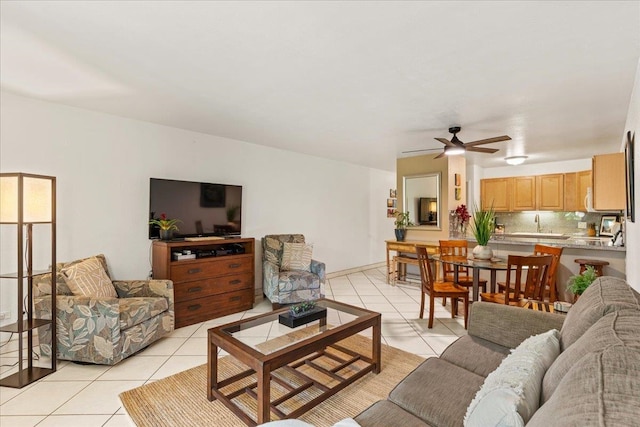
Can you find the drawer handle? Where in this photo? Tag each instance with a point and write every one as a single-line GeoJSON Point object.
{"type": "Point", "coordinates": [194, 270]}
{"type": "Point", "coordinates": [194, 307]}
{"type": "Point", "coordinates": [235, 282]}
{"type": "Point", "coordinates": [235, 265]}
{"type": "Point", "coordinates": [235, 298]}
{"type": "Point", "coordinates": [195, 289]}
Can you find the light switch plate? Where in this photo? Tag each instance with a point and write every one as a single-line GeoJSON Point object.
{"type": "Point", "coordinates": [582, 224]}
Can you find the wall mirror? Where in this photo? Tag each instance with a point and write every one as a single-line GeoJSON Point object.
{"type": "Point", "coordinates": [422, 199]}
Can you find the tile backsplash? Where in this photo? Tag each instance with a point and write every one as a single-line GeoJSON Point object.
{"type": "Point", "coordinates": [550, 222]}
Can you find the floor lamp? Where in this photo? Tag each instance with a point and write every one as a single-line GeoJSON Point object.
{"type": "Point", "coordinates": [27, 200]}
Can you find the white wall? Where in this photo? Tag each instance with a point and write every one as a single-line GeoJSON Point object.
{"type": "Point", "coordinates": [537, 169]}
{"type": "Point", "coordinates": [103, 164]}
{"type": "Point", "coordinates": [633, 229]}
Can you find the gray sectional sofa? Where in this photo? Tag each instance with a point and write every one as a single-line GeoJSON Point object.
{"type": "Point", "coordinates": [595, 380]}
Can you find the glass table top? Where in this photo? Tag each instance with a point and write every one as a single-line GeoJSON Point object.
{"type": "Point", "coordinates": [252, 331]}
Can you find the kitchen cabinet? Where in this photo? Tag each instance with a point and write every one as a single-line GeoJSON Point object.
{"type": "Point", "coordinates": [575, 190]}
{"type": "Point", "coordinates": [495, 192]}
{"type": "Point", "coordinates": [550, 192]}
{"type": "Point", "coordinates": [609, 182]}
{"type": "Point", "coordinates": [524, 193]}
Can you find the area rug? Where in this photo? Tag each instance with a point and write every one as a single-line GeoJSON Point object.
{"type": "Point", "coordinates": [181, 399]}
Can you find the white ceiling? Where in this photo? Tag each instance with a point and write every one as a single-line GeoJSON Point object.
{"type": "Point", "coordinates": [355, 81]}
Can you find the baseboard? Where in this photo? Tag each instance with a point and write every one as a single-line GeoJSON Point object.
{"type": "Point", "coordinates": [356, 269]}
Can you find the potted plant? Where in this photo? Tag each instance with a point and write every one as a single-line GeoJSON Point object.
{"type": "Point", "coordinates": [165, 225]}
{"type": "Point", "coordinates": [578, 283]}
{"type": "Point", "coordinates": [402, 222]}
{"type": "Point", "coordinates": [482, 228]}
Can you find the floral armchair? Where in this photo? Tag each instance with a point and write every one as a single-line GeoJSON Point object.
{"type": "Point", "coordinates": [104, 330]}
{"type": "Point", "coordinates": [282, 286]}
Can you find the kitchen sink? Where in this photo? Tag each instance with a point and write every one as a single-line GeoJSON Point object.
{"type": "Point", "coordinates": [534, 235]}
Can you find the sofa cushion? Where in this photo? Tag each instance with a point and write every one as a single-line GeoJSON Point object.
{"type": "Point", "coordinates": [437, 392]}
{"type": "Point", "coordinates": [297, 280]}
{"type": "Point", "coordinates": [134, 311]}
{"type": "Point", "coordinates": [475, 354]}
{"type": "Point", "coordinates": [601, 389]}
{"type": "Point", "coordinates": [88, 278]}
{"type": "Point", "coordinates": [385, 413]}
{"type": "Point", "coordinates": [296, 256]}
{"type": "Point", "coordinates": [511, 394]}
{"type": "Point", "coordinates": [617, 328]}
{"type": "Point", "coordinates": [272, 246]}
{"type": "Point", "coordinates": [605, 295]}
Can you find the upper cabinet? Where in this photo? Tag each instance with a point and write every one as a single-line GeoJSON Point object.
{"type": "Point", "coordinates": [495, 192]}
{"type": "Point", "coordinates": [575, 190]}
{"type": "Point", "coordinates": [550, 192]}
{"type": "Point", "coordinates": [523, 193]}
{"type": "Point", "coordinates": [609, 182]}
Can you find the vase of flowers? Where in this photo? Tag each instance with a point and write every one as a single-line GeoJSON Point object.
{"type": "Point", "coordinates": [166, 226]}
{"type": "Point", "coordinates": [462, 221]}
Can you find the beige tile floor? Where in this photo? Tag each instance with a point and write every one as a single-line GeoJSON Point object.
{"type": "Point", "coordinates": [87, 395]}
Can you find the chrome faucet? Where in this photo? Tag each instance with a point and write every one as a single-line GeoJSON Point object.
{"type": "Point", "coordinates": [537, 221]}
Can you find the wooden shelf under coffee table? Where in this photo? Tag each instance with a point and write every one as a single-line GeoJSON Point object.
{"type": "Point", "coordinates": [305, 361]}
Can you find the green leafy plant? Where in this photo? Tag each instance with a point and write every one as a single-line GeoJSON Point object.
{"type": "Point", "coordinates": [578, 283]}
{"type": "Point", "coordinates": [483, 224]}
{"type": "Point", "coordinates": [165, 223]}
{"type": "Point", "coordinates": [303, 307]}
{"type": "Point", "coordinates": [403, 221]}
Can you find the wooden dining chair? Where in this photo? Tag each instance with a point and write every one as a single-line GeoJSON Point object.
{"type": "Point", "coordinates": [435, 289]}
{"type": "Point", "coordinates": [551, 292]}
{"type": "Point", "coordinates": [556, 253]}
{"type": "Point", "coordinates": [465, 277]}
{"type": "Point", "coordinates": [536, 269]}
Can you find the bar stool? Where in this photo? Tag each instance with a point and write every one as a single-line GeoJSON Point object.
{"type": "Point", "coordinates": [595, 263]}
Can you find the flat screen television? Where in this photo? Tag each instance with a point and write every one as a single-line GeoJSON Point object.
{"type": "Point", "coordinates": [204, 209]}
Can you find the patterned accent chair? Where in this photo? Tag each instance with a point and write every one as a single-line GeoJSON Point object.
{"type": "Point", "coordinates": [288, 287]}
{"type": "Point", "coordinates": [104, 330]}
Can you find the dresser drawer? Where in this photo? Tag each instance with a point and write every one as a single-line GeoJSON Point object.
{"type": "Point", "coordinates": [208, 267]}
{"type": "Point", "coordinates": [199, 310]}
{"type": "Point", "coordinates": [212, 286]}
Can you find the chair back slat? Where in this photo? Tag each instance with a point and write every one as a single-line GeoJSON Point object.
{"type": "Point", "coordinates": [454, 248]}
{"type": "Point", "coordinates": [551, 291]}
{"type": "Point", "coordinates": [534, 268]}
{"type": "Point", "coordinates": [426, 271]}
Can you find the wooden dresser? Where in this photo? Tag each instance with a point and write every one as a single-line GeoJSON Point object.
{"type": "Point", "coordinates": [211, 286]}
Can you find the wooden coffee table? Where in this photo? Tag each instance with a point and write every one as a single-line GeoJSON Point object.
{"type": "Point", "coordinates": [302, 353]}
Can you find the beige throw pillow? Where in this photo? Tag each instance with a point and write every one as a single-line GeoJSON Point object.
{"type": "Point", "coordinates": [296, 256]}
{"type": "Point", "coordinates": [88, 278]}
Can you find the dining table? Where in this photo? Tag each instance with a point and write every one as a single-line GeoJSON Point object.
{"type": "Point", "coordinates": [494, 265]}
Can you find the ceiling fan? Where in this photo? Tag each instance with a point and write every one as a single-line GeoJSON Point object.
{"type": "Point", "coordinates": [455, 146]}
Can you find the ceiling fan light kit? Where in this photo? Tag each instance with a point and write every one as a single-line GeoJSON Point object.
{"type": "Point", "coordinates": [515, 160]}
{"type": "Point", "coordinates": [453, 151]}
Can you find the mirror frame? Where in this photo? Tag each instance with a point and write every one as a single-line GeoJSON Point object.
{"type": "Point", "coordinates": [405, 204]}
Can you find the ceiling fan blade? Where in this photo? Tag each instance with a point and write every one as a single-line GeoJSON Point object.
{"type": "Point", "coordinates": [488, 140]}
{"type": "Point", "coordinates": [446, 142]}
{"type": "Point", "coordinates": [439, 155]}
{"type": "Point", "coordinates": [424, 149]}
{"type": "Point", "coordinates": [482, 150]}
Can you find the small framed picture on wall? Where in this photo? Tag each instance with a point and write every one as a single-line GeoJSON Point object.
{"type": "Point", "coordinates": [606, 225]}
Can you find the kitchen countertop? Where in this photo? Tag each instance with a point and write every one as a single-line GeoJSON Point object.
{"type": "Point", "coordinates": [578, 242]}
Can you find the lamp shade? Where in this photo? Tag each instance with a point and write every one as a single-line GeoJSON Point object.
{"type": "Point", "coordinates": [36, 193]}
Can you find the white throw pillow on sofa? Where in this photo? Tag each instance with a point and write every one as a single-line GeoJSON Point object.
{"type": "Point", "coordinates": [510, 395]}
